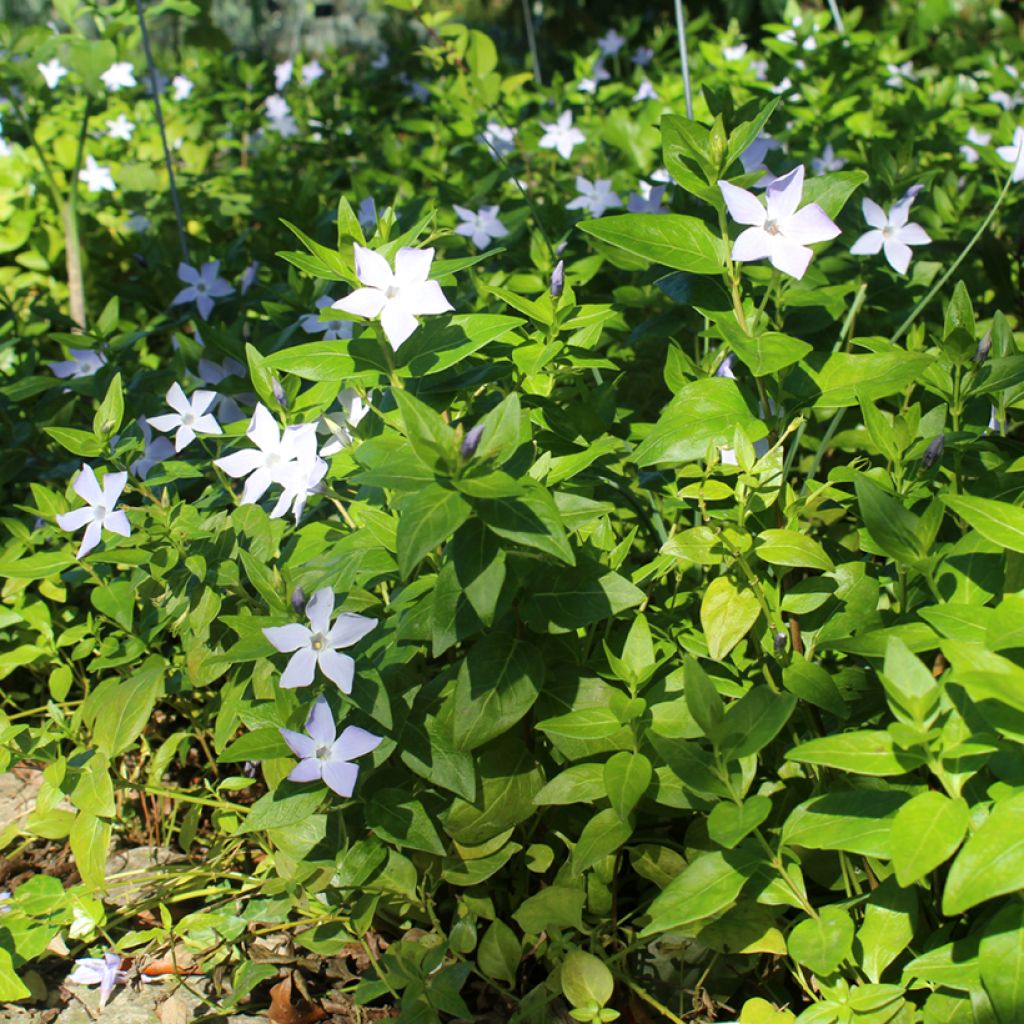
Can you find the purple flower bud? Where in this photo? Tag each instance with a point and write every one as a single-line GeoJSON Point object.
{"type": "Point", "coordinates": [249, 769]}
{"type": "Point", "coordinates": [299, 600]}
{"type": "Point", "coordinates": [470, 441]}
{"type": "Point", "coordinates": [558, 279]}
{"type": "Point", "coordinates": [279, 396]}
{"type": "Point", "coordinates": [779, 641]}
{"type": "Point", "coordinates": [933, 453]}
{"type": "Point", "coordinates": [984, 347]}
{"type": "Point", "coordinates": [725, 367]}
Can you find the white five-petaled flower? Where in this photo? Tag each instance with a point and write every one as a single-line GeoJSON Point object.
{"type": "Point", "coordinates": [98, 513]}
{"type": "Point", "coordinates": [282, 74]}
{"type": "Point", "coordinates": [105, 972]}
{"type": "Point", "coordinates": [332, 330]}
{"type": "Point", "coordinates": [397, 296]}
{"type": "Point", "coordinates": [94, 177]}
{"type": "Point", "coordinates": [735, 52]}
{"type": "Point", "coordinates": [589, 83]}
{"type": "Point", "coordinates": [647, 199]}
{"type": "Point", "coordinates": [782, 232]}
{"type": "Point", "coordinates": [481, 226]}
{"type": "Point", "coordinates": [890, 232]}
{"type": "Point", "coordinates": [181, 87]}
{"type": "Point", "coordinates": [287, 458]}
{"type": "Point", "coordinates": [190, 416]}
{"type": "Point", "coordinates": [326, 756]}
{"type": "Point", "coordinates": [52, 71]}
{"type": "Point", "coordinates": [120, 75]}
{"type": "Point", "coordinates": [975, 137]}
{"type": "Point", "coordinates": [646, 91]}
{"type": "Point", "coordinates": [312, 71]}
{"type": "Point", "coordinates": [120, 128]}
{"type": "Point", "coordinates": [900, 73]}
{"type": "Point", "coordinates": [594, 197]}
{"type": "Point", "coordinates": [341, 424]}
{"type": "Point", "coordinates": [319, 645]}
{"type": "Point", "coordinates": [789, 35]}
{"type": "Point", "coordinates": [828, 161]}
{"type": "Point", "coordinates": [202, 286]}
{"type": "Point", "coordinates": [611, 42]}
{"type": "Point", "coordinates": [83, 362]}
{"type": "Point", "coordinates": [1014, 153]}
{"type": "Point", "coordinates": [499, 137]}
{"type": "Point", "coordinates": [561, 135]}
{"type": "Point", "coordinates": [155, 450]}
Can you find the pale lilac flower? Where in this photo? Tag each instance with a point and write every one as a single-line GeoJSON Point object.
{"type": "Point", "coordinates": [997, 422]}
{"type": "Point", "coordinates": [397, 296]}
{"type": "Point", "coordinates": [96, 178]}
{"type": "Point", "coordinates": [642, 56]}
{"type": "Point", "coordinates": [190, 416]}
{"type": "Point", "coordinates": [598, 75]}
{"type": "Point", "coordinates": [735, 52]}
{"type": "Point", "coordinates": [312, 71]}
{"type": "Point", "coordinates": [646, 91]}
{"type": "Point", "coordinates": [594, 197]}
{"type": "Point", "coordinates": [248, 278]}
{"type": "Point", "coordinates": [120, 75]}
{"type": "Point", "coordinates": [828, 161]}
{"type": "Point", "coordinates": [480, 227]}
{"type": "Point", "coordinates": [5, 897]}
{"type": "Point", "coordinates": [83, 362]}
{"type": "Point", "coordinates": [381, 61]}
{"type": "Point", "coordinates": [1003, 99]}
{"type": "Point", "coordinates": [1014, 153]}
{"type": "Point", "coordinates": [661, 176]}
{"type": "Point", "coordinates": [182, 87]}
{"type": "Point", "coordinates": [752, 158]}
{"type": "Point", "coordinates": [155, 450]}
{"type": "Point", "coordinates": [339, 425]}
{"type": "Point", "coordinates": [282, 74]}
{"type": "Point", "coordinates": [974, 138]}
{"type": "Point", "coordinates": [106, 973]}
{"type": "Point", "coordinates": [120, 128]}
{"type": "Point", "coordinates": [202, 286]}
{"type": "Point", "coordinates": [52, 71]}
{"type": "Point", "coordinates": [782, 232]}
{"type": "Point", "coordinates": [783, 87]}
{"type": "Point", "coordinates": [137, 223]}
{"type": "Point", "coordinates": [319, 645]}
{"type": "Point", "coordinates": [367, 214]}
{"type": "Point", "coordinates": [332, 330]}
{"type": "Point", "coordinates": [647, 199]}
{"type": "Point", "coordinates": [900, 73]}
{"type": "Point", "coordinates": [471, 441]}
{"type": "Point", "coordinates": [561, 135]}
{"type": "Point", "coordinates": [557, 284]}
{"type": "Point", "coordinates": [417, 90]}
{"type": "Point", "coordinates": [890, 232]}
{"type": "Point", "coordinates": [725, 367]}
{"type": "Point", "coordinates": [98, 513]}
{"type": "Point", "coordinates": [760, 68]}
{"type": "Point", "coordinates": [277, 107]}
{"type": "Point", "coordinates": [300, 478]}
{"type": "Point", "coordinates": [499, 137]}
{"type": "Point", "coordinates": [325, 755]}
{"type": "Point", "coordinates": [611, 42]}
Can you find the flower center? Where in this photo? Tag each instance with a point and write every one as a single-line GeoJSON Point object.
{"type": "Point", "coordinates": [392, 292]}
{"type": "Point", "coordinates": [318, 641]}
{"type": "Point", "coordinates": [271, 460]}
{"type": "Point", "coordinates": [772, 227]}
{"type": "Point", "coordinates": [887, 231]}
{"type": "Point", "coordinates": [201, 287]}
{"type": "Point", "coordinates": [323, 753]}
{"type": "Point", "coordinates": [99, 513]}
{"type": "Point", "coordinates": [188, 419]}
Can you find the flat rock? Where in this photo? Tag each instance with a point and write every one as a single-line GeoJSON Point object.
{"type": "Point", "coordinates": [130, 871]}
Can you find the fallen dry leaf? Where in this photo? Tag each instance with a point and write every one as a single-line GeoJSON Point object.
{"type": "Point", "coordinates": [283, 1010]}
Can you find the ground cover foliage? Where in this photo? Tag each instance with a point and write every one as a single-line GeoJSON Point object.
{"type": "Point", "coordinates": [610, 607]}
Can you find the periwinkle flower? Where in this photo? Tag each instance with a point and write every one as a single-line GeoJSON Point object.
{"type": "Point", "coordinates": [83, 362]}
{"type": "Point", "coordinates": [105, 972]}
{"type": "Point", "coordinates": [190, 416]}
{"type": "Point", "coordinates": [298, 600]}
{"type": "Point", "coordinates": [890, 232]}
{"type": "Point", "coordinates": [1014, 154]}
{"type": "Point", "coordinates": [120, 75]}
{"type": "Point", "coordinates": [558, 280]}
{"type": "Point", "coordinates": [480, 226]}
{"type": "Point", "coordinates": [202, 286]}
{"type": "Point", "coordinates": [611, 42]}
{"type": "Point", "coordinates": [471, 441]}
{"type": "Point", "coordinates": [984, 347]}
{"type": "Point", "coordinates": [561, 135]}
{"type": "Point", "coordinates": [98, 514]}
{"type": "Point", "coordinates": [95, 177]}
{"type": "Point", "coordinates": [594, 197]}
{"type": "Point", "coordinates": [52, 71]}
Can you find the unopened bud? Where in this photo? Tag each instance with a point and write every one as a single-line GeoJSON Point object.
{"type": "Point", "coordinates": [558, 279]}
{"type": "Point", "coordinates": [780, 642]}
{"type": "Point", "coordinates": [984, 347]}
{"type": "Point", "coordinates": [279, 396]}
{"type": "Point", "coordinates": [298, 599]}
{"type": "Point", "coordinates": [933, 453]}
{"type": "Point", "coordinates": [470, 441]}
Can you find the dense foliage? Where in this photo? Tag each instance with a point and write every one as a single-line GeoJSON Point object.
{"type": "Point", "coordinates": [506, 528]}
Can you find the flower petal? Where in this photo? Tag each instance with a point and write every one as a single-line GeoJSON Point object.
{"type": "Point", "coordinates": [398, 324]}
{"type": "Point", "coordinates": [349, 629]}
{"type": "Point", "coordinates": [868, 244]}
{"type": "Point", "coordinates": [339, 668]}
{"type": "Point", "coordinates": [426, 298]}
{"type": "Point", "coordinates": [319, 609]}
{"type": "Point", "coordinates": [166, 421]}
{"type": "Point", "coordinates": [206, 425]}
{"type": "Point", "coordinates": [75, 519]}
{"type": "Point", "coordinates": [184, 437]}
{"type": "Point", "coordinates": [783, 195]}
{"type": "Point", "coordinates": [353, 743]}
{"type": "Point", "coordinates": [202, 400]}
{"type": "Point", "coordinates": [309, 769]}
{"type": "Point", "coordinates": [744, 207]}
{"type": "Point", "coordinates": [366, 302]}
{"type": "Point", "coordinates": [873, 213]}
{"type": "Point", "coordinates": [240, 463]}
{"type": "Point", "coordinates": [117, 522]}
{"type": "Point", "coordinates": [288, 638]}
{"type": "Point", "coordinates": [371, 268]}
{"type": "Point", "coordinates": [897, 254]}
{"type": "Point", "coordinates": [299, 743]}
{"type": "Point", "coordinates": [87, 487]}
{"type": "Point", "coordinates": [320, 723]}
{"type": "Point", "coordinates": [341, 777]}
{"type": "Point", "coordinates": [809, 225]}
{"type": "Point", "coordinates": [913, 234]}
{"type": "Point", "coordinates": [752, 244]}
{"type": "Point", "coordinates": [187, 274]}
{"type": "Point", "coordinates": [176, 399]}
{"type": "Point", "coordinates": [790, 257]}
{"type": "Point", "coordinates": [92, 536]}
{"type": "Point", "coordinates": [412, 266]}
{"type": "Point", "coordinates": [300, 669]}
{"type": "Point", "coordinates": [263, 430]}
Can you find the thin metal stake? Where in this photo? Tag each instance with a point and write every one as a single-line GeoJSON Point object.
{"type": "Point", "coordinates": [532, 42]}
{"type": "Point", "coordinates": [837, 17]}
{"type": "Point", "coordinates": [684, 59]}
{"type": "Point", "coordinates": [155, 85]}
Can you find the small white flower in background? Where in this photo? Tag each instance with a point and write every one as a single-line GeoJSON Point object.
{"type": "Point", "coordinates": [202, 286]}
{"type": "Point", "coordinates": [181, 87]}
{"type": "Point", "coordinates": [277, 107]}
{"type": "Point", "coordinates": [611, 43]}
{"type": "Point", "coordinates": [325, 756]}
{"type": "Point", "coordinates": [120, 128]}
{"type": "Point", "coordinates": [647, 199]}
{"type": "Point", "coordinates": [282, 74]}
{"type": "Point", "coordinates": [789, 35]}
{"type": "Point", "coordinates": [106, 973]}
{"type": "Point", "coordinates": [735, 52]}
{"type": "Point", "coordinates": [83, 362]}
{"type": "Point", "coordinates": [974, 138]}
{"type": "Point", "coordinates": [561, 135]}
{"type": "Point", "coordinates": [82, 924]}
{"type": "Point", "coordinates": [661, 176]}
{"type": "Point", "coordinates": [312, 71]}
{"type": "Point", "coordinates": [52, 71]}
{"type": "Point", "coordinates": [155, 450]}
{"type": "Point", "coordinates": [1003, 99]}
{"type": "Point", "coordinates": [319, 645]}
{"type": "Point", "coordinates": [642, 56]}
{"type": "Point", "coordinates": [760, 68]}
{"type": "Point", "coordinates": [594, 197]}
{"type": "Point", "coordinates": [98, 513]}
{"type": "Point", "coordinates": [248, 278]}
{"type": "Point", "coordinates": [828, 161]}
{"type": "Point", "coordinates": [890, 232]}
{"type": "Point", "coordinates": [397, 296]}
{"type": "Point", "coordinates": [381, 61]}
{"type": "Point", "coordinates": [499, 137]}
{"type": "Point", "coordinates": [646, 91]}
{"type": "Point", "coordinates": [5, 898]}
{"type": "Point", "coordinates": [782, 232]}
{"type": "Point", "coordinates": [598, 74]}
{"type": "Point", "coordinates": [366, 214]}
{"type": "Point", "coordinates": [1014, 153]}
{"type": "Point", "coordinates": [783, 87]}
{"type": "Point", "coordinates": [332, 330]}
{"type": "Point", "coordinates": [480, 227]}
{"type": "Point", "coordinates": [728, 455]}
{"type": "Point", "coordinates": [120, 75]}
{"type": "Point", "coordinates": [190, 416]}
{"type": "Point", "coordinates": [900, 73]}
{"type": "Point", "coordinates": [752, 158]}
{"type": "Point", "coordinates": [94, 177]}
{"type": "Point", "coordinates": [340, 425]}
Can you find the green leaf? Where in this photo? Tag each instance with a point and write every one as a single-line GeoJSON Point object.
{"type": "Point", "coordinates": [754, 721]}
{"type": "Point", "coordinates": [831, 191]}
{"type": "Point", "coordinates": [258, 745]}
{"type": "Point", "coordinates": [728, 823]}
{"type": "Point", "coordinates": [958, 330]}
{"type": "Point", "coordinates": [78, 442]}
{"type": "Point", "coordinates": [122, 718]}
{"type": "Point", "coordinates": [895, 529]}
{"type": "Point", "coordinates": [441, 342]}
{"type": "Point", "coordinates": [910, 686]}
{"type": "Point", "coordinates": [11, 987]}
{"type": "Point", "coordinates": [787, 547]}
{"type": "Point", "coordinates": [39, 566]}
{"type": "Point", "coordinates": [857, 821]}
{"type": "Point", "coordinates": [394, 815]}
{"type": "Point", "coordinates": [991, 862]}
{"type": "Point", "coordinates": [890, 915]}
{"type": "Point", "coordinates": [863, 751]}
{"type": "Point", "coordinates": [498, 683]}
{"type": "Point", "coordinates": [431, 438]}
{"type": "Point", "coordinates": [530, 518]}
{"type": "Point", "coordinates": [319, 361]}
{"type": "Point", "coordinates": [110, 413]}
{"type": "Point", "coordinates": [557, 906]}
{"type": "Point", "coordinates": [601, 836]}
{"type": "Point", "coordinates": [582, 724]}
{"type": "Point", "coordinates": [811, 682]}
{"type": "Point", "coordinates": [572, 600]}
{"type": "Point", "coordinates": [499, 952]}
{"type": "Point", "coordinates": [578, 784]}
{"type": "Point", "coordinates": [90, 839]}
{"type": "Point", "coordinates": [287, 805]}
{"type": "Point", "coordinates": [848, 377]}
{"type": "Point", "coordinates": [427, 519]}
{"type": "Point", "coordinates": [1001, 959]}
{"type": "Point", "coordinates": [586, 979]}
{"type": "Point", "coordinates": [926, 832]}
{"type": "Point", "coordinates": [626, 778]}
{"type": "Point", "coordinates": [726, 616]}
{"type": "Point", "coordinates": [671, 239]}
{"type": "Point", "coordinates": [997, 521]}
{"type": "Point", "coordinates": [822, 943]}
{"type": "Point", "coordinates": [116, 600]}
{"type": "Point", "coordinates": [94, 793]}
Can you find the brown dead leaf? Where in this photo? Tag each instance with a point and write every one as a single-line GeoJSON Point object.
{"type": "Point", "coordinates": [172, 1011]}
{"type": "Point", "coordinates": [289, 1007]}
